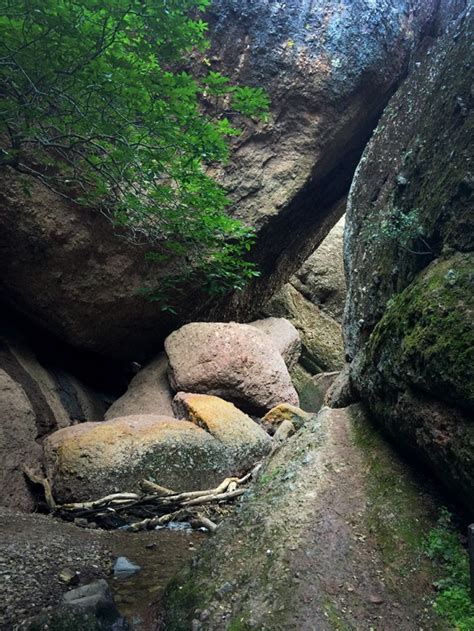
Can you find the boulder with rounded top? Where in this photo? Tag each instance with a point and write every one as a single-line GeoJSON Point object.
{"type": "Point", "coordinates": [234, 361]}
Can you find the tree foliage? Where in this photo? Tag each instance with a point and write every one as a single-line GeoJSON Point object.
{"type": "Point", "coordinates": [94, 104]}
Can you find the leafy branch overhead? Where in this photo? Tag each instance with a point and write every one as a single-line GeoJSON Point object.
{"type": "Point", "coordinates": [92, 105]}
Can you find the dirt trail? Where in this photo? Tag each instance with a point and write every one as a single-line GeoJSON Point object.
{"type": "Point", "coordinates": [330, 539]}
{"type": "Point", "coordinates": [344, 578]}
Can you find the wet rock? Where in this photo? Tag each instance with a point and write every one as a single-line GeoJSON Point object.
{"type": "Point", "coordinates": [149, 392]}
{"type": "Point", "coordinates": [285, 338]}
{"type": "Point", "coordinates": [94, 459]}
{"type": "Point", "coordinates": [124, 568]}
{"type": "Point", "coordinates": [246, 442]}
{"type": "Point", "coordinates": [233, 361]}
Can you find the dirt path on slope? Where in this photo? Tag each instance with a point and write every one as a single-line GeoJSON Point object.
{"type": "Point", "coordinates": [359, 566]}
{"type": "Point", "coordinates": [329, 539]}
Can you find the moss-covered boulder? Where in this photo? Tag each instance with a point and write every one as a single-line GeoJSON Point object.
{"type": "Point", "coordinates": [426, 337]}
{"type": "Point", "coordinates": [409, 258]}
{"type": "Point", "coordinates": [417, 371]}
{"type": "Point", "coordinates": [91, 460]}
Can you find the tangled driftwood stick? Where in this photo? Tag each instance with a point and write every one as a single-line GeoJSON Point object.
{"type": "Point", "coordinates": [162, 504]}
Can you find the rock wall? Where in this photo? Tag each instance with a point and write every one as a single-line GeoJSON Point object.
{"type": "Point", "coordinates": [321, 278]}
{"type": "Point", "coordinates": [314, 300]}
{"type": "Point", "coordinates": [409, 259]}
{"type": "Point", "coordinates": [34, 402]}
{"type": "Point", "coordinates": [329, 69]}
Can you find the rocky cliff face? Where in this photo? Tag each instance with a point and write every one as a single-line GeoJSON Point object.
{"type": "Point", "coordinates": [409, 258]}
{"type": "Point", "coordinates": [329, 69]}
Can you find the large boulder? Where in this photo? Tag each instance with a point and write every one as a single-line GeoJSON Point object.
{"type": "Point", "coordinates": [409, 257]}
{"type": "Point", "coordinates": [149, 392]}
{"type": "Point", "coordinates": [329, 69]}
{"type": "Point", "coordinates": [94, 459]}
{"type": "Point", "coordinates": [246, 441]}
{"type": "Point", "coordinates": [284, 336]}
{"type": "Point", "coordinates": [321, 278]}
{"type": "Point", "coordinates": [236, 362]}
{"type": "Point", "coordinates": [321, 335]}
{"type": "Point", "coordinates": [329, 537]}
{"type": "Point", "coordinates": [18, 445]}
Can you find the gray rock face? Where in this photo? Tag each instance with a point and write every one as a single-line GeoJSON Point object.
{"type": "Point", "coordinates": [33, 403]}
{"type": "Point", "coordinates": [329, 68]}
{"type": "Point", "coordinates": [313, 301]}
{"type": "Point", "coordinates": [149, 392]}
{"type": "Point", "coordinates": [289, 547]}
{"type": "Point", "coordinates": [233, 361]}
{"type": "Point", "coordinates": [17, 443]}
{"type": "Point", "coordinates": [321, 278]}
{"type": "Point", "coordinates": [284, 337]}
{"type": "Point", "coordinates": [321, 335]}
{"type": "Point", "coordinates": [409, 257]}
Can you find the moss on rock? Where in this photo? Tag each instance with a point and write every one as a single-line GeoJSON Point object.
{"type": "Point", "coordinates": [426, 336]}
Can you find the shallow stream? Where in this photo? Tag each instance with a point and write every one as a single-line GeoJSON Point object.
{"type": "Point", "coordinates": [160, 554]}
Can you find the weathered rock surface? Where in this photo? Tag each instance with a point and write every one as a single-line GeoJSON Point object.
{"type": "Point", "coordinates": [33, 403]}
{"type": "Point", "coordinates": [321, 335]}
{"type": "Point", "coordinates": [340, 392]}
{"type": "Point", "coordinates": [285, 412]}
{"type": "Point", "coordinates": [233, 361]}
{"type": "Point", "coordinates": [149, 392]}
{"type": "Point", "coordinates": [321, 278]}
{"type": "Point", "coordinates": [94, 459]}
{"type": "Point", "coordinates": [246, 441]}
{"type": "Point", "coordinates": [58, 398]}
{"type": "Point", "coordinates": [409, 257]}
{"type": "Point", "coordinates": [284, 336]}
{"type": "Point", "coordinates": [329, 69]}
{"type": "Point", "coordinates": [329, 537]}
{"type": "Point", "coordinates": [18, 445]}
{"type": "Point", "coordinates": [320, 385]}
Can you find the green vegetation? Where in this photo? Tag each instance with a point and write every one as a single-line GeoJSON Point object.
{"type": "Point", "coordinates": [96, 105]}
{"type": "Point", "coordinates": [426, 331]}
{"type": "Point", "coordinates": [397, 228]}
{"type": "Point", "coordinates": [453, 601]}
{"type": "Point", "coordinates": [395, 515]}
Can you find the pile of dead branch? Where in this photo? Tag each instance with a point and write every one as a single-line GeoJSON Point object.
{"type": "Point", "coordinates": [155, 506]}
